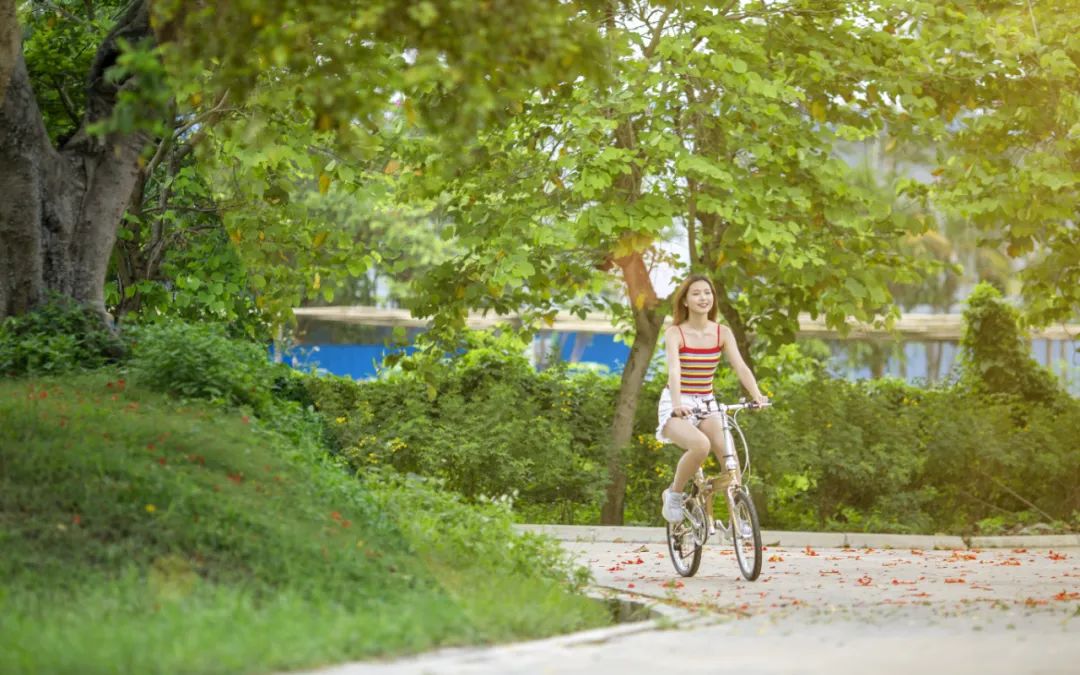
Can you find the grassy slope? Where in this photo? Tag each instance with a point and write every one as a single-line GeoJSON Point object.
{"type": "Point", "coordinates": [138, 534]}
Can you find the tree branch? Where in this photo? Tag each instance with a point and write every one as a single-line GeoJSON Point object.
{"type": "Point", "coordinates": [1014, 493]}
{"type": "Point", "coordinates": [65, 100]}
{"type": "Point", "coordinates": [1034, 26]}
{"type": "Point", "coordinates": [691, 223]}
{"type": "Point", "coordinates": [66, 14]}
{"type": "Point", "coordinates": [638, 284]}
{"type": "Point", "coordinates": [216, 208]}
{"type": "Point", "coordinates": [657, 33]}
{"type": "Point", "coordinates": [164, 145]}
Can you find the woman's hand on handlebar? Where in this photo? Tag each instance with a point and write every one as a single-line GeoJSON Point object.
{"type": "Point", "coordinates": [682, 411]}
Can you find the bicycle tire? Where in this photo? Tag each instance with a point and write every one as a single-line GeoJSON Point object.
{"type": "Point", "coordinates": [748, 551]}
{"type": "Point", "coordinates": [683, 548]}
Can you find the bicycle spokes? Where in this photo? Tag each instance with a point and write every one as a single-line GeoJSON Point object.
{"type": "Point", "coordinates": [685, 539]}
{"type": "Point", "coordinates": [746, 535]}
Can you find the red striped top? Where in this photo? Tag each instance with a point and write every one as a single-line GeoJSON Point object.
{"type": "Point", "coordinates": [697, 367]}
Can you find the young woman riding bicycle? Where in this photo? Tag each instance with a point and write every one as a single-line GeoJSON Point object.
{"type": "Point", "coordinates": [694, 343]}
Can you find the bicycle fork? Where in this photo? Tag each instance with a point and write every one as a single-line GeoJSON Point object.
{"type": "Point", "coordinates": [728, 481]}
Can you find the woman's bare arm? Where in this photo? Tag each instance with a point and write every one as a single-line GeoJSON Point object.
{"type": "Point", "coordinates": [742, 371]}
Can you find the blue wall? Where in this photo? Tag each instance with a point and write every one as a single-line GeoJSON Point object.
{"type": "Point", "coordinates": [356, 361]}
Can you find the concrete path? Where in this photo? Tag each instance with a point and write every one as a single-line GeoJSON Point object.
{"type": "Point", "coordinates": [858, 583]}
{"type": "Point", "coordinates": [649, 535]}
{"type": "Point", "coordinates": [814, 610]}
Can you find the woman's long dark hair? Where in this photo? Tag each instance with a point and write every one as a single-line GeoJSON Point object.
{"type": "Point", "coordinates": [679, 311]}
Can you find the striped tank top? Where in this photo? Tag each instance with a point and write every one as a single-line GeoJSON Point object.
{"type": "Point", "coordinates": [697, 367]}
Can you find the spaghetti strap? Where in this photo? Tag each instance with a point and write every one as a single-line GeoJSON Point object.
{"type": "Point", "coordinates": [681, 336]}
{"type": "Point", "coordinates": [718, 345]}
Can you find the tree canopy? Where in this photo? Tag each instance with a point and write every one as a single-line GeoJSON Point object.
{"type": "Point", "coordinates": [237, 76]}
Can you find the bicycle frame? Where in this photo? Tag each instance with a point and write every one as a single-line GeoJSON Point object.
{"type": "Point", "coordinates": [708, 488]}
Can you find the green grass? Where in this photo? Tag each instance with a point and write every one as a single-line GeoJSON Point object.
{"type": "Point", "coordinates": [142, 534]}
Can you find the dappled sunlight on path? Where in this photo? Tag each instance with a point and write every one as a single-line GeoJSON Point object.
{"type": "Point", "coordinates": [837, 582]}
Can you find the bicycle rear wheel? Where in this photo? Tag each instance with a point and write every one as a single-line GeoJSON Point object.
{"type": "Point", "coordinates": [686, 538]}
{"type": "Point", "coordinates": [746, 534]}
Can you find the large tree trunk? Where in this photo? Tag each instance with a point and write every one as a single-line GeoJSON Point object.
{"type": "Point", "coordinates": [647, 324]}
{"type": "Point", "coordinates": [61, 207]}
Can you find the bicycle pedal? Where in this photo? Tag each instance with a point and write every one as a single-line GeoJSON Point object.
{"type": "Point", "coordinates": [724, 529]}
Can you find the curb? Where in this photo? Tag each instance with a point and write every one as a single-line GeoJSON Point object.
{"type": "Point", "coordinates": [657, 535]}
{"type": "Point", "coordinates": [1027, 541]}
{"type": "Point", "coordinates": [433, 661]}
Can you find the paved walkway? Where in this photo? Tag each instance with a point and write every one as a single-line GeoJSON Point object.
{"type": "Point", "coordinates": [853, 582]}
{"type": "Point", "coordinates": [830, 610]}
{"type": "Point", "coordinates": [646, 535]}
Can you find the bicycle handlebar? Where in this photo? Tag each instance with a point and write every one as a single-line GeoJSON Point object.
{"type": "Point", "coordinates": [729, 408]}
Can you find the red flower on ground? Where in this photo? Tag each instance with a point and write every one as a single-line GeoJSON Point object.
{"type": "Point", "coordinates": [958, 556]}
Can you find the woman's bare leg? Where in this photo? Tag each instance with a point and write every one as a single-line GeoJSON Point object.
{"type": "Point", "coordinates": [696, 445]}
{"type": "Point", "coordinates": [714, 430]}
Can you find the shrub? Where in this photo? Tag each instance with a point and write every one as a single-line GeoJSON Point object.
{"type": "Point", "coordinates": [200, 361]}
{"type": "Point", "coordinates": [494, 427]}
{"type": "Point", "coordinates": [996, 360]}
{"type": "Point", "coordinates": [59, 336]}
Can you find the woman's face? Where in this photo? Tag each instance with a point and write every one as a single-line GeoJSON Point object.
{"type": "Point", "coordinates": [699, 297]}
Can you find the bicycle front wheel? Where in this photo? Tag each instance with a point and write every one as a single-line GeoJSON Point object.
{"type": "Point", "coordinates": [685, 541]}
{"type": "Point", "coordinates": [746, 534]}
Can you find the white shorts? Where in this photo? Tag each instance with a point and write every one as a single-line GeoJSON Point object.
{"type": "Point", "coordinates": [663, 410]}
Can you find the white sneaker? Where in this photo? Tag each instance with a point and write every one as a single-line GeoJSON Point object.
{"type": "Point", "coordinates": [673, 506]}
{"type": "Point", "coordinates": [745, 530]}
